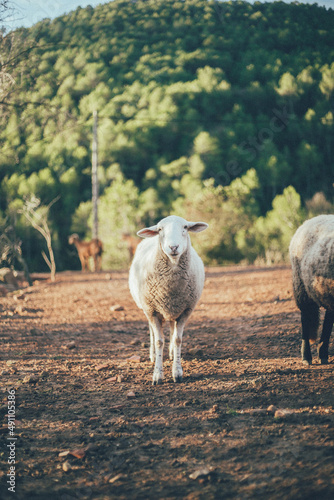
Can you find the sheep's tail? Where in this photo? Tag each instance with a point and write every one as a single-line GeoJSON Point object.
{"type": "Point", "coordinates": [310, 320]}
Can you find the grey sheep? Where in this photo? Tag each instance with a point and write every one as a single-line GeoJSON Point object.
{"type": "Point", "coordinates": [312, 260]}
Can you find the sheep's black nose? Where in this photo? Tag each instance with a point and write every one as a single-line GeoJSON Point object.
{"type": "Point", "coordinates": [174, 248]}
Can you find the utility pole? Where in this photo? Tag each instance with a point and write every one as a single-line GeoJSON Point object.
{"type": "Point", "coordinates": [95, 182]}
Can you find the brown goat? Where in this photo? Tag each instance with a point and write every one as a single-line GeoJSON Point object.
{"type": "Point", "coordinates": [132, 243]}
{"type": "Point", "coordinates": [87, 249]}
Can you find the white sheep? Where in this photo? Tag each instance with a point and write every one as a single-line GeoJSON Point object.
{"type": "Point", "coordinates": [166, 280]}
{"type": "Point", "coordinates": [312, 260]}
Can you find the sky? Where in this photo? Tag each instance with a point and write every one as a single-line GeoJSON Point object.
{"type": "Point", "coordinates": [28, 12]}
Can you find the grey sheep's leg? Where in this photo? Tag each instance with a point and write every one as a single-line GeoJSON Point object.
{"type": "Point", "coordinates": [325, 336]}
{"type": "Point", "coordinates": [310, 324]}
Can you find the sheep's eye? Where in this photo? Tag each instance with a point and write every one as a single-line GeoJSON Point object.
{"type": "Point", "coordinates": [159, 229]}
{"type": "Point", "coordinates": [185, 227]}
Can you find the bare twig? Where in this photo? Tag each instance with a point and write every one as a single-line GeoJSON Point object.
{"type": "Point", "coordinates": [40, 222]}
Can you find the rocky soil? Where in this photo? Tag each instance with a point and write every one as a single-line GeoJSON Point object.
{"type": "Point", "coordinates": [249, 421]}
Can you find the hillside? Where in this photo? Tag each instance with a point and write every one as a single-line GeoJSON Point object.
{"type": "Point", "coordinates": [205, 108]}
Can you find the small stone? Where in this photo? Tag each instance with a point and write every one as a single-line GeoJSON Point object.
{"type": "Point", "coordinates": [111, 379]}
{"type": "Point", "coordinates": [115, 478]}
{"type": "Point", "coordinates": [214, 409]}
{"type": "Point", "coordinates": [104, 366]}
{"type": "Point", "coordinates": [196, 351]}
{"type": "Point", "coordinates": [21, 296]}
{"type": "Point", "coordinates": [130, 395]}
{"type": "Point", "coordinates": [79, 453]}
{"type": "Point", "coordinates": [135, 342]}
{"type": "Point", "coordinates": [66, 466]}
{"type": "Point", "coordinates": [271, 409]}
{"type": "Point", "coordinates": [116, 307]}
{"type": "Point", "coordinates": [63, 453]}
{"type": "Point", "coordinates": [200, 473]}
{"type": "Point", "coordinates": [134, 359]}
{"type": "Point", "coordinates": [282, 413]}
{"type": "Point", "coordinates": [70, 345]}
{"type": "Point", "coordinates": [120, 378]}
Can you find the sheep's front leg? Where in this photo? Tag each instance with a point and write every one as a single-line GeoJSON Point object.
{"type": "Point", "coordinates": [152, 348]}
{"type": "Point", "coordinates": [172, 325]}
{"type": "Point", "coordinates": [156, 326]}
{"type": "Point", "coordinates": [83, 263]}
{"type": "Point", "coordinates": [177, 344]}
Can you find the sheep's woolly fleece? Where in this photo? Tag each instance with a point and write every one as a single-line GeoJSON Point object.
{"type": "Point", "coordinates": [312, 260]}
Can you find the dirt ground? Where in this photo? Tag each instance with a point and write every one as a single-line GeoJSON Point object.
{"type": "Point", "coordinates": [90, 425]}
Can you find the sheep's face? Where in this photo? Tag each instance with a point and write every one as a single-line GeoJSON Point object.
{"type": "Point", "coordinates": [173, 235]}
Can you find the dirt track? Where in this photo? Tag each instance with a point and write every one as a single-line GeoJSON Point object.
{"type": "Point", "coordinates": [66, 353]}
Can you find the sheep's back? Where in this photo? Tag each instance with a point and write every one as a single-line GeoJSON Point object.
{"type": "Point", "coordinates": [312, 259]}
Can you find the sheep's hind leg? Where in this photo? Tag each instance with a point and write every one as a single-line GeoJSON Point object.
{"type": "Point", "coordinates": [325, 336]}
{"type": "Point", "coordinates": [310, 323]}
{"type": "Point", "coordinates": [156, 326]}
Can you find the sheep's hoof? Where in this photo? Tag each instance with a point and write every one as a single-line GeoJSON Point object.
{"type": "Point", "coordinates": [307, 362]}
{"type": "Point", "coordinates": [178, 379]}
{"type": "Point", "coordinates": [322, 354]}
{"type": "Point", "coordinates": [157, 377]}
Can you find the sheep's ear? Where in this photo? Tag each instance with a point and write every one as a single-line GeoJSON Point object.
{"type": "Point", "coordinates": [197, 227]}
{"type": "Point", "coordinates": [148, 232]}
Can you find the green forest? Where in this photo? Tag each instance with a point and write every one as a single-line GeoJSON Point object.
{"type": "Point", "coordinates": [211, 110]}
